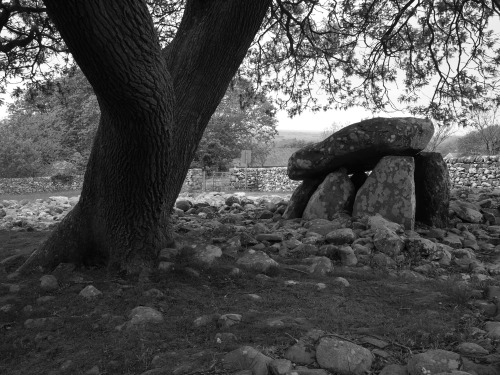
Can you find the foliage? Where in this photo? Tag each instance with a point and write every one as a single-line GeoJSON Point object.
{"type": "Point", "coordinates": [244, 120]}
{"type": "Point", "coordinates": [293, 143]}
{"type": "Point", "coordinates": [58, 116]}
{"type": "Point", "coordinates": [18, 157]}
{"type": "Point", "coordinates": [485, 139]}
{"type": "Point", "coordinates": [353, 52]}
{"type": "Point", "coordinates": [441, 134]}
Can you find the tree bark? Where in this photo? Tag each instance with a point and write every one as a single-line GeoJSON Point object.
{"type": "Point", "coordinates": [154, 106]}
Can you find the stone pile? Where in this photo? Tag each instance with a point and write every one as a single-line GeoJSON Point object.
{"type": "Point", "coordinates": [38, 215]}
{"type": "Point", "coordinates": [251, 230]}
{"type": "Point", "coordinates": [404, 184]}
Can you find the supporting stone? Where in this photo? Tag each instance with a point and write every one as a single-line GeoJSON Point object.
{"type": "Point", "coordinates": [334, 195]}
{"type": "Point", "coordinates": [432, 189]}
{"type": "Point", "coordinates": [389, 191]}
{"type": "Point", "coordinates": [300, 198]}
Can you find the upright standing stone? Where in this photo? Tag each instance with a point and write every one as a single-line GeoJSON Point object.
{"type": "Point", "coordinates": [389, 191]}
{"type": "Point", "coordinates": [334, 195]}
{"type": "Point", "coordinates": [432, 189]}
{"type": "Point", "coordinates": [300, 198]}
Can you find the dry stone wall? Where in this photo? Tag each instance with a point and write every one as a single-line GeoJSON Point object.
{"type": "Point", "coordinates": [474, 171]}
{"type": "Point", "coordinates": [263, 179]}
{"type": "Point", "coordinates": [38, 185]}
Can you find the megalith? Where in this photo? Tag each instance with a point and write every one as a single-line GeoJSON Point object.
{"type": "Point", "coordinates": [359, 147]}
{"type": "Point", "coordinates": [432, 189]}
{"type": "Point", "coordinates": [335, 194]}
{"type": "Point", "coordinates": [300, 198]}
{"type": "Point", "coordinates": [389, 191]}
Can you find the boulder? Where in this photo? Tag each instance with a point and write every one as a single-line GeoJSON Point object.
{"type": "Point", "coordinates": [300, 198]}
{"type": "Point", "coordinates": [257, 261]}
{"type": "Point", "coordinates": [432, 189]}
{"type": "Point", "coordinates": [466, 211]}
{"type": "Point", "coordinates": [433, 362]}
{"type": "Point", "coordinates": [389, 191]}
{"type": "Point", "coordinates": [334, 195]}
{"type": "Point", "coordinates": [360, 146]}
{"type": "Point", "coordinates": [343, 357]}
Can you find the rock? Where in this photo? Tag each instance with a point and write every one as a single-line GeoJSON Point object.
{"type": "Point", "coordinates": [432, 189]}
{"type": "Point", "coordinates": [232, 200]}
{"type": "Point", "coordinates": [247, 358]}
{"type": "Point", "coordinates": [388, 242]}
{"type": "Point", "coordinates": [389, 191]}
{"type": "Point", "coordinates": [335, 194]}
{"type": "Point", "coordinates": [270, 237]}
{"type": "Point", "coordinates": [90, 292]}
{"type": "Point", "coordinates": [360, 146]}
{"type": "Point", "coordinates": [319, 265]}
{"type": "Point", "coordinates": [301, 353]}
{"type": "Point", "coordinates": [378, 222]}
{"type": "Point", "coordinates": [257, 261]}
{"type": "Point", "coordinates": [471, 349]}
{"type": "Point", "coordinates": [206, 320]}
{"type": "Point", "coordinates": [183, 205]}
{"type": "Point", "coordinates": [418, 248]}
{"type": "Point", "coordinates": [343, 357]}
{"type": "Point", "coordinates": [49, 283]}
{"type": "Point", "coordinates": [341, 236]}
{"type": "Point", "coordinates": [300, 198]}
{"type": "Point", "coordinates": [207, 254]}
{"type": "Point", "coordinates": [144, 315]}
{"type": "Point", "coordinates": [433, 362]}
{"type": "Point", "coordinates": [323, 226]}
{"type": "Point", "coordinates": [394, 369]}
{"type": "Point", "coordinates": [280, 366]}
{"type": "Point", "coordinates": [347, 256]}
{"type": "Point", "coordinates": [493, 330]}
{"type": "Point", "coordinates": [228, 320]}
{"type": "Point", "coordinates": [466, 211]}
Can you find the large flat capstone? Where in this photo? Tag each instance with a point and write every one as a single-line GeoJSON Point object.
{"type": "Point", "coordinates": [359, 147]}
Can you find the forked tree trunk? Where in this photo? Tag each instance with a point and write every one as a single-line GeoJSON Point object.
{"type": "Point", "coordinates": [155, 106]}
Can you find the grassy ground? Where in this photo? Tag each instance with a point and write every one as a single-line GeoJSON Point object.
{"type": "Point", "coordinates": [410, 316]}
{"type": "Point", "coordinates": [43, 195]}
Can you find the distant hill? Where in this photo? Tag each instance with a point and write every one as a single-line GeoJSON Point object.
{"type": "Point", "coordinates": [285, 136]}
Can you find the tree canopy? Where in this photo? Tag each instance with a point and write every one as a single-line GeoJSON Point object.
{"type": "Point", "coordinates": [439, 56]}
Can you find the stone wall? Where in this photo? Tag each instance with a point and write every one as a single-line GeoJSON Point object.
{"type": "Point", "coordinates": [38, 185]}
{"type": "Point", "coordinates": [474, 171]}
{"type": "Point", "coordinates": [263, 179]}
{"type": "Point", "coordinates": [194, 180]}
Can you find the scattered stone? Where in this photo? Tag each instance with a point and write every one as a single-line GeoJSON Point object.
{"type": "Point", "coordinates": [433, 362]}
{"type": "Point", "coordinates": [256, 260]}
{"type": "Point", "coordinates": [206, 320]}
{"type": "Point", "coordinates": [347, 256]}
{"type": "Point", "coordinates": [301, 353]}
{"type": "Point", "coordinates": [280, 366]}
{"type": "Point", "coordinates": [394, 369]}
{"type": "Point", "coordinates": [90, 292]}
{"type": "Point", "coordinates": [247, 358]}
{"type": "Point", "coordinates": [466, 211]}
{"type": "Point", "coordinates": [343, 357]}
{"type": "Point", "coordinates": [48, 283]}
{"type": "Point", "coordinates": [319, 266]}
{"type": "Point", "coordinates": [144, 315]}
{"type": "Point", "coordinates": [471, 349]}
{"type": "Point", "coordinates": [388, 242]}
{"type": "Point", "coordinates": [343, 236]}
{"type": "Point", "coordinates": [228, 320]}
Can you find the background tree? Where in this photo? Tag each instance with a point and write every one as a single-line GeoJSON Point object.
{"type": "Point", "coordinates": [244, 120]}
{"type": "Point", "coordinates": [157, 93]}
{"type": "Point", "coordinates": [485, 138]}
{"type": "Point", "coordinates": [441, 134]}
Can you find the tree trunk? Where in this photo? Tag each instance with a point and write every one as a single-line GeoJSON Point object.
{"type": "Point", "coordinates": [154, 106]}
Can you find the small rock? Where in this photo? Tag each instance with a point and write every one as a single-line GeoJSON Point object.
{"type": "Point", "coordinates": [93, 371]}
{"type": "Point", "coordinates": [433, 362]}
{"type": "Point", "coordinates": [228, 320]}
{"type": "Point", "coordinates": [90, 292]}
{"type": "Point", "coordinates": [280, 366]}
{"type": "Point", "coordinates": [301, 353]}
{"type": "Point", "coordinates": [205, 320]}
{"type": "Point", "coordinates": [247, 358]}
{"type": "Point", "coordinates": [143, 315]}
{"type": "Point", "coordinates": [48, 283]}
{"type": "Point", "coordinates": [341, 236]}
{"type": "Point", "coordinates": [394, 369]}
{"type": "Point", "coordinates": [471, 349]}
{"type": "Point", "coordinates": [341, 281]}
{"type": "Point", "coordinates": [256, 260]}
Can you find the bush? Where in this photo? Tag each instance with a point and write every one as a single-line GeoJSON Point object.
{"type": "Point", "coordinates": [18, 158]}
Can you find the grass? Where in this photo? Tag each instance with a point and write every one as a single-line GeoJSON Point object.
{"type": "Point", "coordinates": [41, 195]}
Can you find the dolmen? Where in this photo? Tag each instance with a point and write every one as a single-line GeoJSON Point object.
{"type": "Point", "coordinates": [403, 184]}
